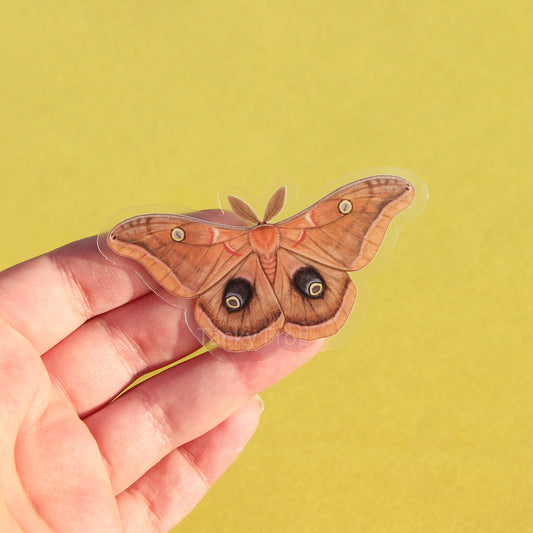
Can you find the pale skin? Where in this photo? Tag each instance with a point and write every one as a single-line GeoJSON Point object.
{"type": "Point", "coordinates": [75, 330]}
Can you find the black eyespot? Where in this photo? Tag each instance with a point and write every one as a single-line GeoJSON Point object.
{"type": "Point", "coordinates": [309, 282]}
{"type": "Point", "coordinates": [237, 294]}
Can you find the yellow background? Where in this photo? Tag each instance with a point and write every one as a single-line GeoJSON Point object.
{"type": "Point", "coordinates": [423, 422]}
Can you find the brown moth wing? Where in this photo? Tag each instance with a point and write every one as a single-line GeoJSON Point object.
{"type": "Point", "coordinates": [188, 267]}
{"type": "Point", "coordinates": [251, 327]}
{"type": "Point", "coordinates": [312, 318]}
{"type": "Point", "coordinates": [349, 240]}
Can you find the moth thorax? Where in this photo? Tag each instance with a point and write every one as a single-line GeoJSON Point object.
{"type": "Point", "coordinates": [264, 239]}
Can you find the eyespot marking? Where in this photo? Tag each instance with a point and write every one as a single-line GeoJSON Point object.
{"type": "Point", "coordinates": [309, 282]}
{"type": "Point", "coordinates": [178, 234]}
{"type": "Point", "coordinates": [233, 303]}
{"type": "Point", "coordinates": [316, 288]}
{"type": "Point", "coordinates": [237, 294]}
{"type": "Point", "coordinates": [344, 207]}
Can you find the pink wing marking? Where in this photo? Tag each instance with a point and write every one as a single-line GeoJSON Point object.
{"type": "Point", "coordinates": [310, 218]}
{"type": "Point", "coordinates": [214, 234]}
{"type": "Point", "coordinates": [230, 250]}
{"type": "Point", "coordinates": [300, 239]}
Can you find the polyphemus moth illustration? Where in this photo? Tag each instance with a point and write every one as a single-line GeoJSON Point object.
{"type": "Point", "coordinates": [253, 282]}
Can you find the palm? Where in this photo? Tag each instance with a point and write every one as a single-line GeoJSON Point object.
{"type": "Point", "coordinates": [54, 452]}
{"type": "Point", "coordinates": [75, 331]}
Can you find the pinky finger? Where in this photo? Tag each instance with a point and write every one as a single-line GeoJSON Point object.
{"type": "Point", "coordinates": [165, 494]}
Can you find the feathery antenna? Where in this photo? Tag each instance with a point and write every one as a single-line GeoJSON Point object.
{"type": "Point", "coordinates": [275, 204]}
{"type": "Point", "coordinates": [247, 214]}
{"type": "Point", "coordinates": [243, 210]}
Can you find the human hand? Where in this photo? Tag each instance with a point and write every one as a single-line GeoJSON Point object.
{"type": "Point", "coordinates": [75, 330]}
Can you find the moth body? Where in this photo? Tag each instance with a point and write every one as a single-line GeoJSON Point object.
{"type": "Point", "coordinates": [264, 241]}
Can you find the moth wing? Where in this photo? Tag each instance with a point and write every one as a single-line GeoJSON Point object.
{"type": "Point", "coordinates": [253, 325]}
{"type": "Point", "coordinates": [309, 316]}
{"type": "Point", "coordinates": [345, 229]}
{"type": "Point", "coordinates": [185, 255]}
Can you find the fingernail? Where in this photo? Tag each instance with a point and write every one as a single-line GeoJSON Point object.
{"type": "Point", "coordinates": [260, 402]}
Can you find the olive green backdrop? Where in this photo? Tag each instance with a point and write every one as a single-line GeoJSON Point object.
{"type": "Point", "coordinates": [423, 421]}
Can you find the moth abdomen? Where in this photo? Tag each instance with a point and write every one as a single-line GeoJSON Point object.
{"type": "Point", "coordinates": [268, 264]}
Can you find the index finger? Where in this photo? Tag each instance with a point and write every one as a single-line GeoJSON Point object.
{"type": "Point", "coordinates": [48, 297]}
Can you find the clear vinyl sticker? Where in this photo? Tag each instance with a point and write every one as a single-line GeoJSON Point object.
{"type": "Point", "coordinates": [256, 281]}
